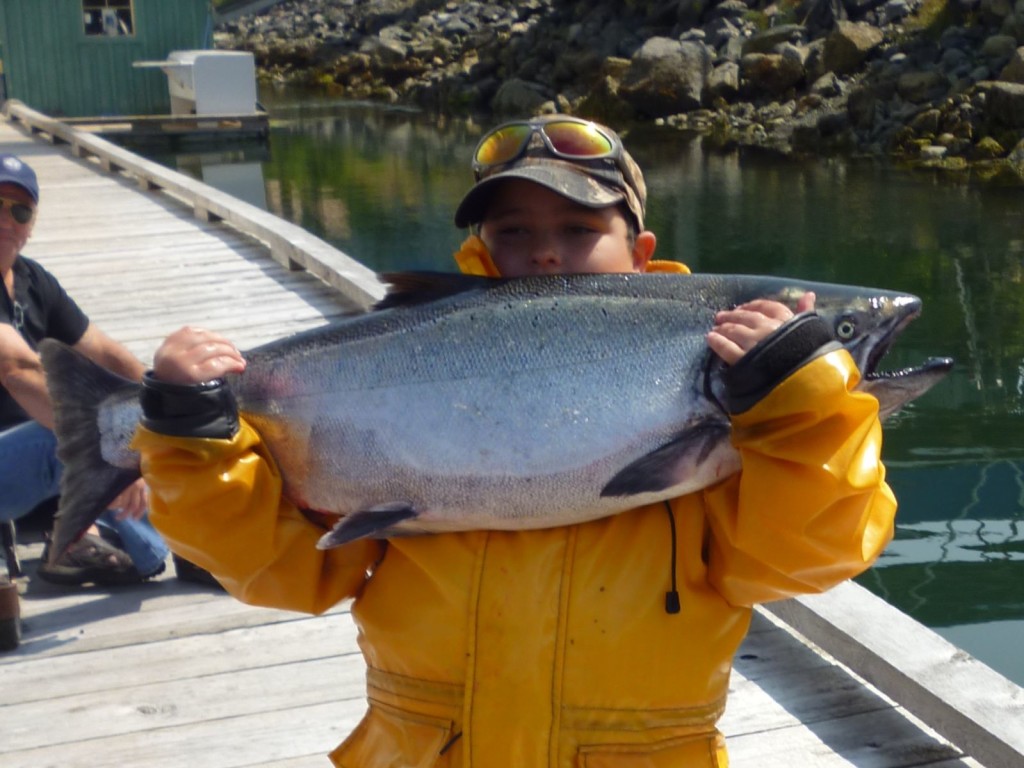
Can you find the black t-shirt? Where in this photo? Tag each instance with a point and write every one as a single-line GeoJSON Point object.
{"type": "Point", "coordinates": [41, 309]}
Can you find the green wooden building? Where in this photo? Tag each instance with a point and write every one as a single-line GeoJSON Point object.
{"type": "Point", "coordinates": [73, 58]}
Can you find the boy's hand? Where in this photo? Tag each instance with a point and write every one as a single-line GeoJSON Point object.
{"type": "Point", "coordinates": [194, 355]}
{"type": "Point", "coordinates": [738, 330]}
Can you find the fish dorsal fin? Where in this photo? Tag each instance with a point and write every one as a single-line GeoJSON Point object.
{"type": "Point", "coordinates": [409, 289]}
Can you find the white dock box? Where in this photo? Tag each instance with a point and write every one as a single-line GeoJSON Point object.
{"type": "Point", "coordinates": [209, 82]}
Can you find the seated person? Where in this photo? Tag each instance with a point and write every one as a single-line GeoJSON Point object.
{"type": "Point", "coordinates": [34, 306]}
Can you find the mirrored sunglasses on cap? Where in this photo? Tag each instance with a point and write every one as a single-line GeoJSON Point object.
{"type": "Point", "coordinates": [568, 138]}
{"type": "Point", "coordinates": [20, 212]}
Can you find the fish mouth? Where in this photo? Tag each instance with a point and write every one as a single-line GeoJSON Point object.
{"type": "Point", "coordinates": [895, 388]}
{"type": "Point", "coordinates": [876, 345]}
{"type": "Point", "coordinates": [931, 367]}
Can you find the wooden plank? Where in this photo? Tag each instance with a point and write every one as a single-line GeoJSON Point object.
{"type": "Point", "coordinates": [192, 655]}
{"type": "Point", "coordinates": [249, 694]}
{"type": "Point", "coordinates": [870, 740]}
{"type": "Point", "coordinates": [964, 700]}
{"type": "Point", "coordinates": [58, 621]}
{"type": "Point", "coordinates": [87, 627]}
{"type": "Point", "coordinates": [222, 743]}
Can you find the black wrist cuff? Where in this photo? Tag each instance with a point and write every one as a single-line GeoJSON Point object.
{"type": "Point", "coordinates": [188, 410]}
{"type": "Point", "coordinates": [791, 346]}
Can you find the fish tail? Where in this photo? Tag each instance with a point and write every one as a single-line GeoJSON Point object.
{"type": "Point", "coordinates": [78, 387]}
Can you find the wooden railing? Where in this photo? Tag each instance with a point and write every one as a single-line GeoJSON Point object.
{"type": "Point", "coordinates": [289, 245]}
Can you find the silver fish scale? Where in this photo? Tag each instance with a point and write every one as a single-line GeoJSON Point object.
{"type": "Point", "coordinates": [529, 395]}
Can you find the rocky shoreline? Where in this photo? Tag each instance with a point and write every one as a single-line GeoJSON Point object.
{"type": "Point", "coordinates": [933, 83]}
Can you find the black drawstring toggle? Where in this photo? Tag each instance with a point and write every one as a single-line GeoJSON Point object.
{"type": "Point", "coordinates": [672, 605]}
{"type": "Point", "coordinates": [672, 602]}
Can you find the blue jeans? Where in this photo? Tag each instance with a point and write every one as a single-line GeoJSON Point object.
{"type": "Point", "coordinates": [30, 474]}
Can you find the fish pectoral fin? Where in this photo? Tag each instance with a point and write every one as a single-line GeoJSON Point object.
{"type": "Point", "coordinates": [367, 523]}
{"type": "Point", "coordinates": [672, 463]}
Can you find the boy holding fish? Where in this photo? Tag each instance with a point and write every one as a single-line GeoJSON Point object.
{"type": "Point", "coordinates": [601, 643]}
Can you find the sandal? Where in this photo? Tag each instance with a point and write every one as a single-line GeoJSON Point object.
{"type": "Point", "coordinates": [89, 560]}
{"type": "Point", "coordinates": [10, 615]}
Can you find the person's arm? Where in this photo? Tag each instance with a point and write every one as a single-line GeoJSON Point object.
{"type": "Point", "coordinates": [218, 500]}
{"type": "Point", "coordinates": [112, 355]}
{"type": "Point", "coordinates": [810, 506]}
{"type": "Point", "coordinates": [21, 374]}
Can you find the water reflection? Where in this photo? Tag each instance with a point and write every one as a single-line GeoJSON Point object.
{"type": "Point", "coordinates": [238, 172]}
{"type": "Point", "coordinates": [382, 186]}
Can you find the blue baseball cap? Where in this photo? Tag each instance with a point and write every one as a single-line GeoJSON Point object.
{"type": "Point", "coordinates": [14, 171]}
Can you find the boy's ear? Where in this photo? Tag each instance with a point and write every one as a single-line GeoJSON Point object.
{"type": "Point", "coordinates": [643, 249]}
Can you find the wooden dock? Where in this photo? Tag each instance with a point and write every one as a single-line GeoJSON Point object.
{"type": "Point", "coordinates": [173, 674]}
{"type": "Point", "coordinates": [177, 132]}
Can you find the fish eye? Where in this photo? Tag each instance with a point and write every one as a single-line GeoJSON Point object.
{"type": "Point", "coordinates": [846, 328]}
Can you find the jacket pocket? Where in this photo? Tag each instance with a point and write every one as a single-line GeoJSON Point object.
{"type": "Point", "coordinates": [704, 751]}
{"type": "Point", "coordinates": [391, 738]}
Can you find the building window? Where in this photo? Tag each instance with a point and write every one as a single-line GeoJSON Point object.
{"type": "Point", "coordinates": [108, 18]}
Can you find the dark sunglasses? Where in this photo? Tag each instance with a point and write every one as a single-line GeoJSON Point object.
{"type": "Point", "coordinates": [567, 138]}
{"type": "Point", "coordinates": [20, 212]}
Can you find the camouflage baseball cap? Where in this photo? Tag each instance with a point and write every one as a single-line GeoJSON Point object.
{"type": "Point", "coordinates": [595, 183]}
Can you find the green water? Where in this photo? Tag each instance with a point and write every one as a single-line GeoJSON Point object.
{"type": "Point", "coordinates": [382, 185]}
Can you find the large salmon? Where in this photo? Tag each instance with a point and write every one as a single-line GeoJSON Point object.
{"type": "Point", "coordinates": [468, 403]}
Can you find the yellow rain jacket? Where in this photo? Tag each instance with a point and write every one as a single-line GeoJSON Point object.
{"type": "Point", "coordinates": [554, 648]}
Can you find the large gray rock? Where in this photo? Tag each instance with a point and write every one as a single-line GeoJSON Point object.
{"type": "Point", "coordinates": [718, 32]}
{"type": "Point", "coordinates": [865, 102]}
{"type": "Point", "coordinates": [1004, 103]}
{"type": "Point", "coordinates": [666, 77]}
{"type": "Point", "coordinates": [723, 82]}
{"type": "Point", "coordinates": [519, 97]}
{"type": "Point", "coordinates": [849, 44]}
{"type": "Point", "coordinates": [770, 73]}
{"type": "Point", "coordinates": [1016, 157]}
{"type": "Point", "coordinates": [996, 9]}
{"type": "Point", "coordinates": [384, 51]}
{"type": "Point", "coordinates": [894, 10]}
{"type": "Point", "coordinates": [1013, 25]}
{"type": "Point", "coordinates": [770, 39]}
{"type": "Point", "coordinates": [917, 87]}
{"type": "Point", "coordinates": [999, 47]}
{"type": "Point", "coordinates": [820, 15]}
{"type": "Point", "coordinates": [1013, 72]}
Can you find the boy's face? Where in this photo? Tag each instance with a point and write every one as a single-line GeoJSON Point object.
{"type": "Point", "coordinates": [530, 230]}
